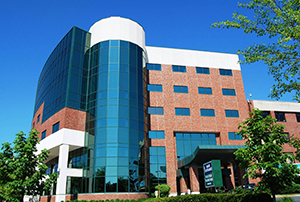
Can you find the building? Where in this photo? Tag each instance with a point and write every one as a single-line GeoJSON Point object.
{"type": "Point", "coordinates": [119, 117]}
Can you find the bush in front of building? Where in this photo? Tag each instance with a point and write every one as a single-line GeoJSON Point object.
{"type": "Point", "coordinates": [251, 197]}
{"type": "Point", "coordinates": [292, 189]}
{"type": "Point", "coordinates": [111, 200]}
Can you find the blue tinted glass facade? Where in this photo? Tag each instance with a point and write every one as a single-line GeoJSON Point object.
{"type": "Point", "coordinates": [116, 123]}
{"type": "Point", "coordinates": [158, 170]}
{"type": "Point", "coordinates": [186, 143]}
{"type": "Point", "coordinates": [44, 134]}
{"type": "Point", "coordinates": [62, 81]}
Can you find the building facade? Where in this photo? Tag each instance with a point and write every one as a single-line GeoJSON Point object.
{"type": "Point", "coordinates": [120, 117]}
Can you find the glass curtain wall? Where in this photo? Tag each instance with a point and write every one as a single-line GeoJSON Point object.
{"type": "Point", "coordinates": [116, 124]}
{"type": "Point", "coordinates": [63, 72]}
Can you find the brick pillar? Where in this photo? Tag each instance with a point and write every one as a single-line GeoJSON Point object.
{"type": "Point", "coordinates": [232, 175]}
{"type": "Point", "coordinates": [194, 179]}
{"type": "Point", "coordinates": [183, 185]}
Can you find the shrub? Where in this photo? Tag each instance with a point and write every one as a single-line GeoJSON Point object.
{"type": "Point", "coordinates": [286, 199]}
{"type": "Point", "coordinates": [164, 190]}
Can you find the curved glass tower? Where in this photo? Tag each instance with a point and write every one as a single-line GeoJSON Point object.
{"type": "Point", "coordinates": [116, 110]}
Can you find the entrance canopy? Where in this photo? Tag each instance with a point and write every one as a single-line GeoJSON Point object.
{"type": "Point", "coordinates": [205, 153]}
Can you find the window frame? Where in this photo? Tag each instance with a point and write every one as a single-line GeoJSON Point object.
{"type": "Point", "coordinates": [228, 92]}
{"type": "Point", "coordinates": [202, 70]}
{"type": "Point", "coordinates": [44, 134]}
{"type": "Point", "coordinates": [179, 111]}
{"type": "Point", "coordinates": [156, 67]}
{"type": "Point", "coordinates": [225, 72]}
{"type": "Point", "coordinates": [278, 116]}
{"type": "Point", "coordinates": [298, 117]}
{"type": "Point", "coordinates": [179, 68]}
{"type": "Point", "coordinates": [55, 127]}
{"type": "Point", "coordinates": [204, 111]}
{"type": "Point", "coordinates": [155, 110]}
{"type": "Point", "coordinates": [205, 89]}
{"type": "Point", "coordinates": [156, 136]}
{"type": "Point", "coordinates": [180, 89]}
{"type": "Point", "coordinates": [229, 113]}
{"type": "Point", "coordinates": [156, 88]}
{"type": "Point", "coordinates": [235, 135]}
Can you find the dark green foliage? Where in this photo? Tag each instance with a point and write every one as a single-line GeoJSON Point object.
{"type": "Point", "coordinates": [279, 21]}
{"type": "Point", "coordinates": [164, 189]}
{"type": "Point", "coordinates": [286, 199]}
{"type": "Point", "coordinates": [292, 189]}
{"type": "Point", "coordinates": [263, 151]}
{"type": "Point", "coordinates": [21, 170]}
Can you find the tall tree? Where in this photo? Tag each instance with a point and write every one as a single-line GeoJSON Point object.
{"type": "Point", "coordinates": [280, 21]}
{"type": "Point", "coordinates": [22, 171]}
{"type": "Point", "coordinates": [263, 153]}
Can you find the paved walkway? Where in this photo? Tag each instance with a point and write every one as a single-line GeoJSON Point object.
{"type": "Point", "coordinates": [296, 197]}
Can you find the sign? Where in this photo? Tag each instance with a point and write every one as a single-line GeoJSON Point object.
{"type": "Point", "coordinates": [212, 174]}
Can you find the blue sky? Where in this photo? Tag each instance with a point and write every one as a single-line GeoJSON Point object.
{"type": "Point", "coordinates": [30, 30]}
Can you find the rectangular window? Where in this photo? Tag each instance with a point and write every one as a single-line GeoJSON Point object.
{"type": "Point", "coordinates": [207, 112]}
{"type": "Point", "coordinates": [202, 70]}
{"type": "Point", "coordinates": [181, 89]}
{"type": "Point", "coordinates": [156, 67]}
{"type": "Point", "coordinates": [156, 110]}
{"type": "Point", "coordinates": [265, 114]}
{"type": "Point", "coordinates": [298, 117]}
{"type": "Point", "coordinates": [182, 111]}
{"type": "Point", "coordinates": [157, 160]}
{"type": "Point", "coordinates": [225, 72]}
{"type": "Point", "coordinates": [280, 116]}
{"type": "Point", "coordinates": [38, 118]}
{"type": "Point", "coordinates": [44, 134]}
{"type": "Point", "coordinates": [205, 90]}
{"type": "Point", "coordinates": [55, 127]}
{"type": "Point", "coordinates": [230, 92]}
{"type": "Point", "coordinates": [155, 87]}
{"type": "Point", "coordinates": [177, 68]}
{"type": "Point", "coordinates": [33, 125]}
{"type": "Point", "coordinates": [234, 136]}
{"type": "Point", "coordinates": [287, 137]}
{"type": "Point", "coordinates": [155, 134]}
{"type": "Point", "coordinates": [231, 113]}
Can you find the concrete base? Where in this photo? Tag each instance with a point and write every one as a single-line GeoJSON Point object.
{"type": "Point", "coordinates": [59, 198]}
{"type": "Point", "coordinates": [195, 192]}
{"type": "Point", "coordinates": [172, 194]}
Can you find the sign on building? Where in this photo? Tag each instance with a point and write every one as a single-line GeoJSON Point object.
{"type": "Point", "coordinates": [212, 174]}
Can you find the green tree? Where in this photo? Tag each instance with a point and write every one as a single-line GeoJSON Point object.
{"type": "Point", "coordinates": [279, 20]}
{"type": "Point", "coordinates": [21, 170]}
{"type": "Point", "coordinates": [262, 155]}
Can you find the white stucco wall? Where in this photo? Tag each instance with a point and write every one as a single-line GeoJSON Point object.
{"type": "Point", "coordinates": [276, 106]}
{"type": "Point", "coordinates": [172, 56]}
{"type": "Point", "coordinates": [117, 28]}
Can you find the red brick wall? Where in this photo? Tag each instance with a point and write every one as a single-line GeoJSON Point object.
{"type": "Point", "coordinates": [47, 199]}
{"type": "Point", "coordinates": [194, 123]}
{"type": "Point", "coordinates": [67, 118]}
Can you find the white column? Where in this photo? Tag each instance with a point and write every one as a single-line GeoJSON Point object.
{"type": "Point", "coordinates": [62, 169]}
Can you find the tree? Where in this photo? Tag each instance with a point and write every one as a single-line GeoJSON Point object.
{"type": "Point", "coordinates": [21, 170]}
{"type": "Point", "coordinates": [262, 155]}
{"type": "Point", "coordinates": [280, 21]}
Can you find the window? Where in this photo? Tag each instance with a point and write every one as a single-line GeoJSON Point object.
{"type": "Point", "coordinates": [231, 113]}
{"type": "Point", "coordinates": [181, 89]}
{"type": "Point", "coordinates": [207, 112]}
{"type": "Point", "coordinates": [155, 134]}
{"type": "Point", "coordinates": [234, 136]}
{"type": "Point", "coordinates": [280, 116]}
{"type": "Point", "coordinates": [155, 110]}
{"type": "Point", "coordinates": [55, 127]}
{"type": "Point", "coordinates": [177, 68]}
{"type": "Point", "coordinates": [225, 72]}
{"type": "Point", "coordinates": [265, 114]}
{"type": "Point", "coordinates": [298, 117]}
{"type": "Point", "coordinates": [33, 125]}
{"type": "Point", "coordinates": [287, 137]}
{"type": "Point", "coordinates": [155, 87]}
{"type": "Point", "coordinates": [44, 134]}
{"type": "Point", "coordinates": [202, 70]}
{"type": "Point", "coordinates": [38, 118]}
{"type": "Point", "coordinates": [230, 92]}
{"type": "Point", "coordinates": [205, 90]}
{"type": "Point", "coordinates": [182, 111]}
{"type": "Point", "coordinates": [156, 67]}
